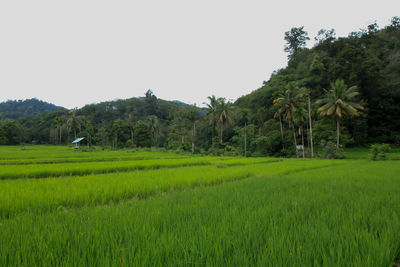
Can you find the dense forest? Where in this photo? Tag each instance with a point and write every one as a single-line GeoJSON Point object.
{"type": "Point", "coordinates": [341, 92]}
{"type": "Point", "coordinates": [13, 109]}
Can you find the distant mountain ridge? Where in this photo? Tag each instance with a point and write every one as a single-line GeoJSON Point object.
{"type": "Point", "coordinates": [180, 102]}
{"type": "Point", "coordinates": [15, 109]}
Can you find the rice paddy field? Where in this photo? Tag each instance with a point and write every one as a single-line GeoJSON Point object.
{"type": "Point", "coordinates": [60, 207]}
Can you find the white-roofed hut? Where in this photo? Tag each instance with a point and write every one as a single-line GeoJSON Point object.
{"type": "Point", "coordinates": [80, 141]}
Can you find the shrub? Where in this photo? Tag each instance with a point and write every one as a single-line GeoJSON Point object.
{"type": "Point", "coordinates": [379, 151]}
{"type": "Point", "coordinates": [230, 151]}
{"type": "Point", "coordinates": [330, 151]}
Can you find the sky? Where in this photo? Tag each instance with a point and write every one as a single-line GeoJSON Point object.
{"type": "Point", "coordinates": [72, 53]}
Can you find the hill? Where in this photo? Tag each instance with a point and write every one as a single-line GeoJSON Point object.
{"type": "Point", "coordinates": [138, 121]}
{"type": "Point", "coordinates": [15, 109]}
{"type": "Point", "coordinates": [369, 60]}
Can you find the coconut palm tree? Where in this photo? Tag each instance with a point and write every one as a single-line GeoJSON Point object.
{"type": "Point", "coordinates": [300, 119]}
{"type": "Point", "coordinates": [60, 122]}
{"type": "Point", "coordinates": [212, 112]}
{"type": "Point", "coordinates": [244, 113]}
{"type": "Point", "coordinates": [154, 127]}
{"type": "Point", "coordinates": [224, 111]}
{"type": "Point", "coordinates": [303, 96]}
{"type": "Point", "coordinates": [279, 111]}
{"type": "Point", "coordinates": [192, 115]}
{"type": "Point", "coordinates": [310, 122]}
{"type": "Point", "coordinates": [339, 102]}
{"type": "Point", "coordinates": [131, 122]}
{"type": "Point", "coordinates": [286, 101]}
{"type": "Point", "coordinates": [56, 123]}
{"type": "Point", "coordinates": [74, 122]}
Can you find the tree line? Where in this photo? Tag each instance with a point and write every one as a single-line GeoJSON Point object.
{"type": "Point", "coordinates": [341, 92]}
{"type": "Point", "coordinates": [13, 109]}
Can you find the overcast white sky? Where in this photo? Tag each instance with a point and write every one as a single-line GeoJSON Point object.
{"type": "Point", "coordinates": [73, 53]}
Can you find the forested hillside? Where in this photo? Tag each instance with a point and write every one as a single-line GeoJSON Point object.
{"type": "Point", "coordinates": [15, 109]}
{"type": "Point", "coordinates": [341, 92]}
{"type": "Point", "coordinates": [369, 59]}
{"type": "Point", "coordinates": [135, 122]}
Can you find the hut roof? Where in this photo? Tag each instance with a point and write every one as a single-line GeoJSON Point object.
{"type": "Point", "coordinates": [77, 140]}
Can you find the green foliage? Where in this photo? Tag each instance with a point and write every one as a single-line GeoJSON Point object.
{"type": "Point", "coordinates": [325, 36]}
{"type": "Point", "coordinates": [142, 135]}
{"type": "Point", "coordinates": [11, 133]}
{"type": "Point", "coordinates": [15, 109]}
{"type": "Point", "coordinates": [295, 39]}
{"type": "Point", "coordinates": [238, 139]}
{"type": "Point", "coordinates": [270, 145]}
{"type": "Point", "coordinates": [379, 151]}
{"type": "Point", "coordinates": [368, 60]}
{"type": "Point", "coordinates": [340, 101]}
{"type": "Point", "coordinates": [220, 114]}
{"type": "Point", "coordinates": [330, 150]}
{"type": "Point", "coordinates": [325, 130]}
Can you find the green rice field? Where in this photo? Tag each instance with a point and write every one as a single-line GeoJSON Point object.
{"type": "Point", "coordinates": [60, 207]}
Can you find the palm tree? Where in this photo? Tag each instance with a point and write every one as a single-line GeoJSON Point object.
{"type": "Point", "coordinates": [56, 124]}
{"type": "Point", "coordinates": [154, 127]}
{"type": "Point", "coordinates": [89, 131]}
{"type": "Point", "coordinates": [278, 113]}
{"type": "Point", "coordinates": [212, 112]}
{"type": "Point", "coordinates": [103, 133]}
{"type": "Point", "coordinates": [286, 102]}
{"type": "Point", "coordinates": [310, 121]}
{"type": "Point", "coordinates": [191, 116]}
{"type": "Point", "coordinates": [244, 113]}
{"type": "Point", "coordinates": [224, 110]}
{"type": "Point", "coordinates": [131, 122]}
{"type": "Point", "coordinates": [74, 122]}
{"type": "Point", "coordinates": [304, 94]}
{"type": "Point", "coordinates": [59, 122]}
{"type": "Point", "coordinates": [300, 118]}
{"type": "Point", "coordinates": [338, 102]}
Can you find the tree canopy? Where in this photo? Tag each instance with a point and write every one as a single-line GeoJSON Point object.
{"type": "Point", "coordinates": [303, 103]}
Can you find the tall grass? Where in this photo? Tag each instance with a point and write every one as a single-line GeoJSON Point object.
{"type": "Point", "coordinates": [345, 215]}
{"type": "Point", "coordinates": [85, 168]}
{"type": "Point", "coordinates": [99, 167]}
{"type": "Point", "coordinates": [52, 193]}
{"type": "Point", "coordinates": [365, 153]}
{"type": "Point", "coordinates": [60, 154]}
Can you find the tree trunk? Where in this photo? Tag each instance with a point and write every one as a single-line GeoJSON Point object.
{"type": "Point", "coordinates": [294, 138]}
{"type": "Point", "coordinates": [222, 132]}
{"type": "Point", "coordinates": [132, 136]}
{"type": "Point", "coordinates": [280, 124]}
{"type": "Point", "coordinates": [337, 134]}
{"type": "Point", "coordinates": [212, 134]}
{"type": "Point", "coordinates": [308, 136]}
{"type": "Point", "coordinates": [309, 119]}
{"type": "Point", "coordinates": [102, 140]}
{"type": "Point", "coordinates": [302, 140]}
{"type": "Point", "coordinates": [193, 137]}
{"type": "Point", "coordinates": [245, 140]}
{"type": "Point", "coordinates": [60, 134]}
